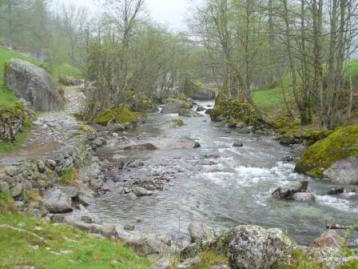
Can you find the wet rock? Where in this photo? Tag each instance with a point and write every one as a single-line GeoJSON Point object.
{"type": "Point", "coordinates": [349, 196]}
{"type": "Point", "coordinates": [23, 77]}
{"type": "Point", "coordinates": [189, 113]}
{"type": "Point", "coordinates": [304, 197]}
{"type": "Point", "coordinates": [238, 145]}
{"type": "Point", "coordinates": [253, 247]}
{"type": "Point", "coordinates": [129, 227]}
{"type": "Point", "coordinates": [87, 219]}
{"type": "Point", "coordinates": [200, 108]}
{"type": "Point", "coordinates": [329, 239]}
{"type": "Point", "coordinates": [99, 142]}
{"type": "Point", "coordinates": [288, 140]}
{"type": "Point", "coordinates": [287, 193]}
{"type": "Point", "coordinates": [196, 145]}
{"type": "Point", "coordinates": [344, 171]}
{"type": "Point", "coordinates": [140, 192]}
{"type": "Point", "coordinates": [335, 191]}
{"type": "Point", "coordinates": [200, 232]}
{"type": "Point", "coordinates": [41, 166]}
{"type": "Point", "coordinates": [147, 146]}
{"type": "Point", "coordinates": [288, 159]}
{"type": "Point", "coordinates": [56, 201]}
{"type": "Point", "coordinates": [17, 190]}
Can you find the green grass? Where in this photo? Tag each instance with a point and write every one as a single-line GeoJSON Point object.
{"type": "Point", "coordinates": [68, 177]}
{"type": "Point", "coordinates": [53, 246]}
{"type": "Point", "coordinates": [67, 70]}
{"type": "Point", "coordinates": [7, 98]}
{"type": "Point", "coordinates": [209, 259]}
{"type": "Point", "coordinates": [19, 141]}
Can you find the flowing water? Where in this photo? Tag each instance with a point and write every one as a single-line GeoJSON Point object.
{"type": "Point", "coordinates": [219, 184]}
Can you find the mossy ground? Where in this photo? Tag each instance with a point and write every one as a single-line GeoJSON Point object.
{"type": "Point", "coordinates": [119, 114]}
{"type": "Point", "coordinates": [69, 177]}
{"type": "Point", "coordinates": [27, 241]}
{"type": "Point", "coordinates": [340, 145]}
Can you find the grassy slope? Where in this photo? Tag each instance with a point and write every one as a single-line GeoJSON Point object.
{"type": "Point", "coordinates": [52, 246]}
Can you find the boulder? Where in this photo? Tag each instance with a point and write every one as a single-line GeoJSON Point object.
{"type": "Point", "coordinates": [146, 146]}
{"type": "Point", "coordinates": [189, 113]}
{"type": "Point", "coordinates": [344, 171]}
{"type": "Point", "coordinates": [238, 145]}
{"type": "Point", "coordinates": [200, 232]}
{"type": "Point", "coordinates": [329, 239]}
{"type": "Point", "coordinates": [17, 190]}
{"type": "Point", "coordinates": [173, 105]}
{"type": "Point", "coordinates": [56, 201]}
{"type": "Point", "coordinates": [287, 193]}
{"type": "Point", "coordinates": [253, 247]}
{"type": "Point", "coordinates": [33, 84]}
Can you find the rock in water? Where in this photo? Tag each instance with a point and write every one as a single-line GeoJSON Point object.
{"type": "Point", "coordinates": [287, 193]}
{"type": "Point", "coordinates": [344, 171]}
{"type": "Point", "coordinates": [253, 247]}
{"type": "Point", "coordinates": [33, 84]}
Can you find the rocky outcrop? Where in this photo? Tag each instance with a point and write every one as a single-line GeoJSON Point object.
{"type": "Point", "coordinates": [173, 105]}
{"type": "Point", "coordinates": [33, 84]}
{"type": "Point", "coordinates": [344, 171]}
{"type": "Point", "coordinates": [334, 157]}
{"type": "Point", "coordinates": [252, 247]}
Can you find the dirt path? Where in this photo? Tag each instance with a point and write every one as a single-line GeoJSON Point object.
{"type": "Point", "coordinates": [50, 130]}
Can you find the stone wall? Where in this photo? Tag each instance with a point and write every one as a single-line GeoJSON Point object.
{"type": "Point", "coordinates": [12, 121]}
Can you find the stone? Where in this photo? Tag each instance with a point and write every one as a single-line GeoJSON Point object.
{"type": "Point", "coordinates": [335, 191]}
{"type": "Point", "coordinates": [17, 190]}
{"type": "Point", "coordinates": [344, 172]}
{"type": "Point", "coordinates": [286, 193]}
{"type": "Point", "coordinates": [200, 232]}
{"type": "Point", "coordinates": [33, 84]}
{"type": "Point", "coordinates": [238, 145]}
{"type": "Point", "coordinates": [56, 201]}
{"type": "Point", "coordinates": [87, 219]}
{"type": "Point", "coordinates": [41, 166]}
{"type": "Point", "coordinates": [220, 267]}
{"type": "Point", "coordinates": [147, 146]}
{"type": "Point", "coordinates": [140, 192]}
{"type": "Point", "coordinates": [253, 247]}
{"type": "Point", "coordinates": [129, 227]}
{"type": "Point", "coordinates": [196, 145]}
{"type": "Point", "coordinates": [4, 186]}
{"type": "Point", "coordinates": [11, 171]}
{"type": "Point", "coordinates": [304, 197]}
{"type": "Point", "coordinates": [175, 105]}
{"type": "Point", "coordinates": [50, 164]}
{"type": "Point", "coordinates": [200, 108]}
{"type": "Point", "coordinates": [189, 113]}
{"type": "Point", "coordinates": [329, 239]}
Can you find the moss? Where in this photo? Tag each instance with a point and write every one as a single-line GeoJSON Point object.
{"type": "Point", "coordinates": [350, 265]}
{"type": "Point", "coordinates": [299, 261]}
{"type": "Point", "coordinates": [209, 259]}
{"type": "Point", "coordinates": [177, 123]}
{"type": "Point", "coordinates": [235, 110]}
{"type": "Point", "coordinates": [321, 155]}
{"type": "Point", "coordinates": [119, 114]}
{"type": "Point", "coordinates": [7, 204]}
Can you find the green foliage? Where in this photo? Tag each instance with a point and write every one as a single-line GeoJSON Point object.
{"type": "Point", "coordinates": [18, 110]}
{"type": "Point", "coordinates": [68, 176]}
{"type": "Point", "coordinates": [209, 259]}
{"type": "Point", "coordinates": [337, 146]}
{"type": "Point", "coordinates": [7, 204]}
{"type": "Point", "coordinates": [67, 70]}
{"type": "Point", "coordinates": [299, 261]}
{"type": "Point", "coordinates": [119, 114]}
{"type": "Point", "coordinates": [52, 246]}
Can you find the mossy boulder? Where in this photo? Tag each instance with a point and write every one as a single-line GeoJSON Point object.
{"type": "Point", "coordinates": [235, 111]}
{"type": "Point", "coordinates": [174, 105]}
{"type": "Point", "coordinates": [196, 90]}
{"type": "Point", "coordinates": [340, 145]}
{"type": "Point", "coordinates": [119, 114]}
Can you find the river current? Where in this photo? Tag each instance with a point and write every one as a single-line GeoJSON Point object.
{"type": "Point", "coordinates": [218, 184]}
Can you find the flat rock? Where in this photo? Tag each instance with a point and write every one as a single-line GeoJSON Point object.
{"type": "Point", "coordinates": [304, 197]}
{"type": "Point", "coordinates": [57, 201]}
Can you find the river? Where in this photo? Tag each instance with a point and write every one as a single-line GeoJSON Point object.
{"type": "Point", "coordinates": [217, 183]}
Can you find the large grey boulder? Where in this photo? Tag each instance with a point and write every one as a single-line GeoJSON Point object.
{"type": "Point", "coordinates": [57, 201]}
{"type": "Point", "coordinates": [33, 84]}
{"type": "Point", "coordinates": [344, 171]}
{"type": "Point", "coordinates": [253, 247]}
